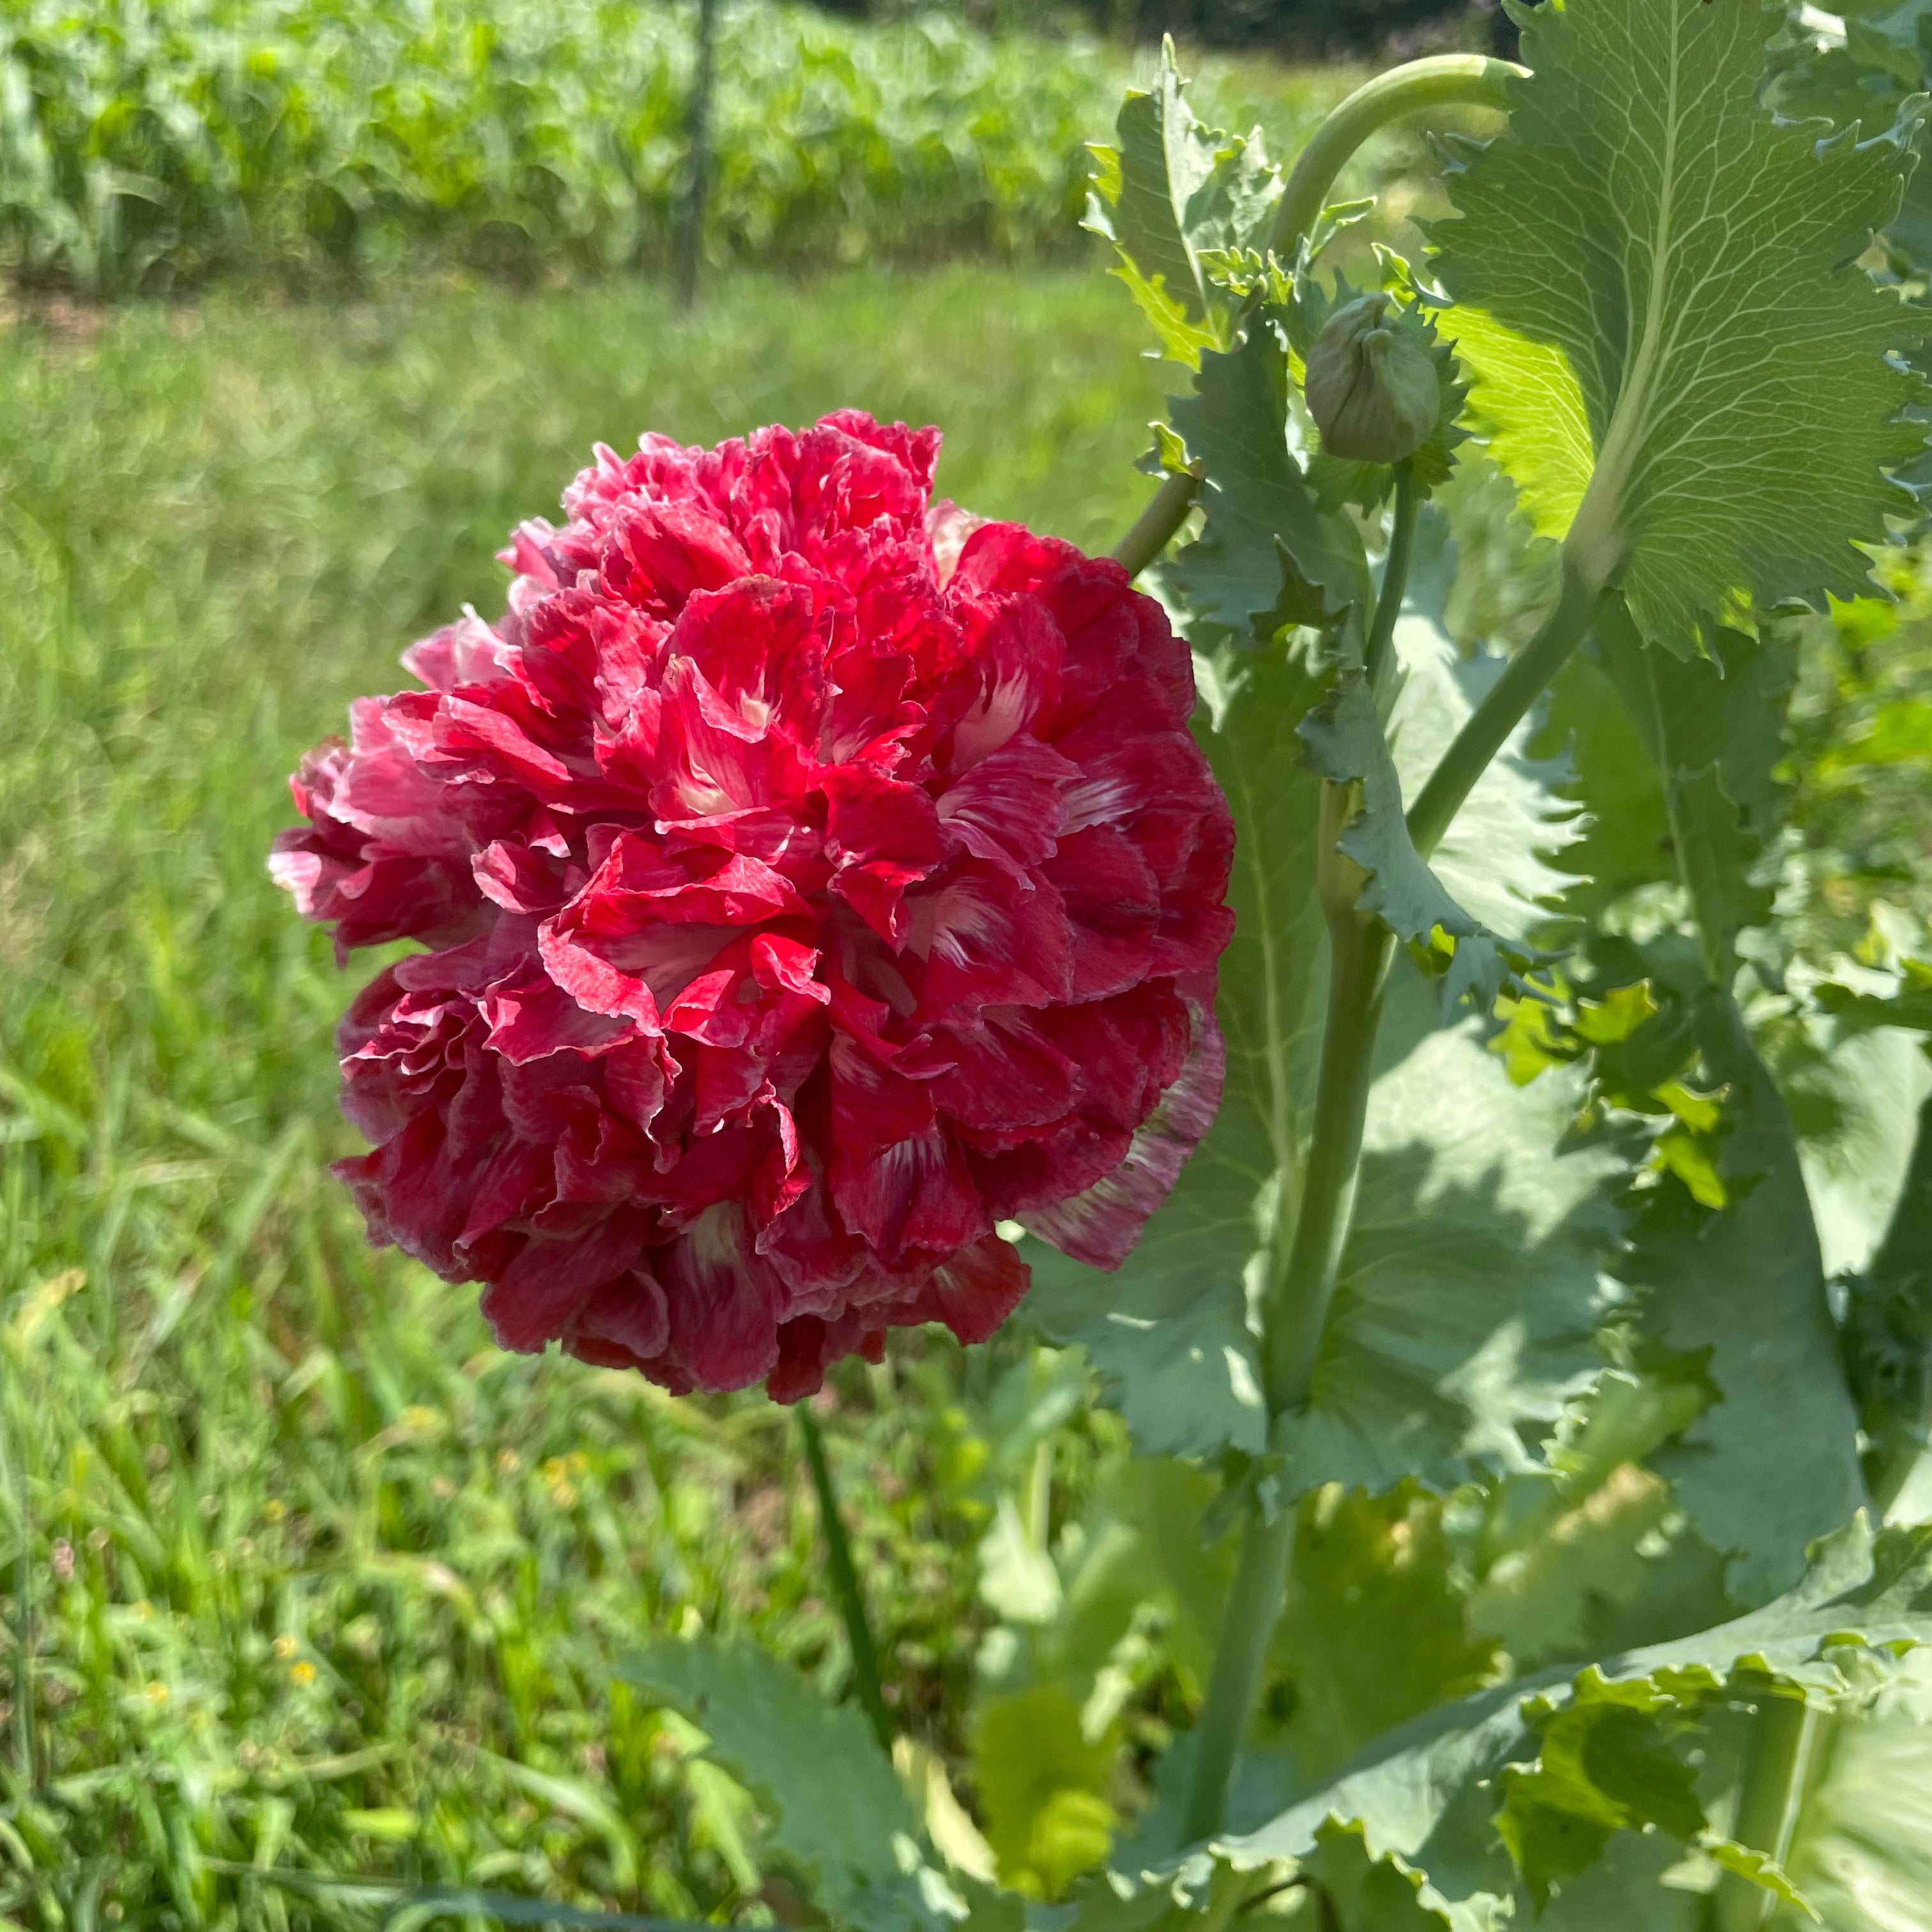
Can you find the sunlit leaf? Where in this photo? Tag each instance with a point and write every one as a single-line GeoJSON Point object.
{"type": "Point", "coordinates": [1172, 191]}
{"type": "Point", "coordinates": [1693, 263]}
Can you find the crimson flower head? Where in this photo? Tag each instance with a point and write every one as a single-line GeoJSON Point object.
{"type": "Point", "coordinates": [809, 879]}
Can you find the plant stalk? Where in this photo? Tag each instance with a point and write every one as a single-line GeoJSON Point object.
{"type": "Point", "coordinates": [1531, 673]}
{"type": "Point", "coordinates": [1767, 1808]}
{"type": "Point", "coordinates": [1247, 1627]}
{"type": "Point", "coordinates": [1297, 1312]}
{"type": "Point", "coordinates": [845, 1582]}
{"type": "Point", "coordinates": [1297, 1308]}
{"type": "Point", "coordinates": [688, 244]}
{"type": "Point", "coordinates": [1443, 80]}
{"type": "Point", "coordinates": [1380, 658]}
{"type": "Point", "coordinates": [1898, 1445]}
{"type": "Point", "coordinates": [1153, 529]}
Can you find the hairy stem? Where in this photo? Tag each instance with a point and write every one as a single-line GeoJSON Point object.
{"type": "Point", "coordinates": [1153, 529]}
{"type": "Point", "coordinates": [1767, 1808]}
{"type": "Point", "coordinates": [1395, 578]}
{"type": "Point", "coordinates": [1901, 1425]}
{"type": "Point", "coordinates": [845, 1581]}
{"type": "Point", "coordinates": [1531, 673]}
{"type": "Point", "coordinates": [1444, 80]}
{"type": "Point", "coordinates": [1247, 1627]}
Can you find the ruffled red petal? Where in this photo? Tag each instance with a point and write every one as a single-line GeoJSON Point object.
{"type": "Point", "coordinates": [811, 876]}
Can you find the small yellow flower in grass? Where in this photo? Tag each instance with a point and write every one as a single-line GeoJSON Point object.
{"type": "Point", "coordinates": [302, 1675]}
{"type": "Point", "coordinates": [273, 1510]}
{"type": "Point", "coordinates": [286, 1647]}
{"type": "Point", "coordinates": [157, 1693]}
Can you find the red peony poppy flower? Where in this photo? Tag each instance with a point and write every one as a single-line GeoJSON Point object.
{"type": "Point", "coordinates": [811, 878]}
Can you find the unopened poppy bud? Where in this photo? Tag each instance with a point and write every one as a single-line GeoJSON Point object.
{"type": "Point", "coordinates": [1373, 387]}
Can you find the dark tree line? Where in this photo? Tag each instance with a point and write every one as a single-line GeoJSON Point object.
{"type": "Point", "coordinates": [1303, 26]}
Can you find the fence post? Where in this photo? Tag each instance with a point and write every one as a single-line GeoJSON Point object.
{"type": "Point", "coordinates": [688, 247]}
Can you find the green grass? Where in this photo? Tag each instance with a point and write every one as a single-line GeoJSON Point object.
{"type": "Point", "coordinates": [298, 1570]}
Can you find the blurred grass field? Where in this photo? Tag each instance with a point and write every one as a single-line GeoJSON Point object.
{"type": "Point", "coordinates": [297, 1571]}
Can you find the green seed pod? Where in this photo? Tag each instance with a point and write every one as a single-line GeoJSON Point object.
{"type": "Point", "coordinates": [1373, 386]}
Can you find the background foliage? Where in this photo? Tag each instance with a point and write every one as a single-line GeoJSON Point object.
{"type": "Point", "coordinates": [1303, 27]}
{"type": "Point", "coordinates": [147, 143]}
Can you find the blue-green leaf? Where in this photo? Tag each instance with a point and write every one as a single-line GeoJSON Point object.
{"type": "Point", "coordinates": [1263, 524]}
{"type": "Point", "coordinates": [1476, 1279]}
{"type": "Point", "coordinates": [838, 1814]}
{"type": "Point", "coordinates": [1599, 1751]}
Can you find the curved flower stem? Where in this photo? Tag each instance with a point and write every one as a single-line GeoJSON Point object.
{"type": "Point", "coordinates": [1531, 673]}
{"type": "Point", "coordinates": [1444, 80]}
{"type": "Point", "coordinates": [1395, 577]}
{"type": "Point", "coordinates": [1153, 529]}
{"type": "Point", "coordinates": [845, 1582]}
{"type": "Point", "coordinates": [1295, 1315]}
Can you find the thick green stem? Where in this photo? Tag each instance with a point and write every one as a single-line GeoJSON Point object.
{"type": "Point", "coordinates": [1153, 529]}
{"type": "Point", "coordinates": [1295, 1313]}
{"type": "Point", "coordinates": [1898, 1445]}
{"type": "Point", "coordinates": [1247, 1627]}
{"type": "Point", "coordinates": [845, 1581]}
{"type": "Point", "coordinates": [1297, 1308]}
{"type": "Point", "coordinates": [1395, 578]}
{"type": "Point", "coordinates": [1899, 1425]}
{"type": "Point", "coordinates": [1444, 80]}
{"type": "Point", "coordinates": [1531, 673]}
{"type": "Point", "coordinates": [1767, 1808]}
